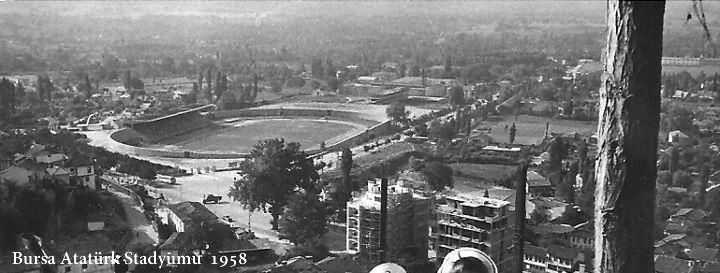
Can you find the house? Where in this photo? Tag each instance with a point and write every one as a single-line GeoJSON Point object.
{"type": "Point", "coordinates": [582, 236]}
{"type": "Point", "coordinates": [561, 259]}
{"type": "Point", "coordinates": [48, 158]}
{"type": "Point", "coordinates": [82, 172]}
{"type": "Point", "coordinates": [59, 173]}
{"type": "Point", "coordinates": [5, 161]}
{"type": "Point", "coordinates": [535, 259]}
{"type": "Point", "coordinates": [679, 94]}
{"type": "Point", "coordinates": [433, 87]}
{"type": "Point", "coordinates": [671, 244]}
{"type": "Point", "coordinates": [709, 268]}
{"type": "Point", "coordinates": [678, 191]}
{"type": "Point", "coordinates": [384, 76]}
{"type": "Point", "coordinates": [667, 264]}
{"type": "Point", "coordinates": [185, 216]}
{"type": "Point", "coordinates": [689, 216]}
{"type": "Point", "coordinates": [678, 137]}
{"type": "Point", "coordinates": [538, 185]}
{"type": "Point", "coordinates": [367, 79]}
{"type": "Point", "coordinates": [19, 175]}
{"type": "Point", "coordinates": [584, 67]}
{"type": "Point", "coordinates": [704, 255]}
{"type": "Point", "coordinates": [554, 207]}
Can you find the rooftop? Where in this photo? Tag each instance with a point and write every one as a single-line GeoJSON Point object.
{"type": "Point", "coordinates": [547, 228]}
{"type": "Point", "coordinates": [534, 179]}
{"type": "Point", "coordinates": [703, 254]}
{"type": "Point", "coordinates": [535, 251]}
{"type": "Point", "coordinates": [562, 252]}
{"type": "Point", "coordinates": [473, 199]}
{"type": "Point", "coordinates": [666, 264]}
{"type": "Point", "coordinates": [192, 210]}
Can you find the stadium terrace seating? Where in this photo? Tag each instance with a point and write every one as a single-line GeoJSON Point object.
{"type": "Point", "coordinates": [159, 129]}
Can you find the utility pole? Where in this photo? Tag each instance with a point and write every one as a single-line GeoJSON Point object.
{"type": "Point", "coordinates": [520, 194]}
{"type": "Point", "coordinates": [628, 137]}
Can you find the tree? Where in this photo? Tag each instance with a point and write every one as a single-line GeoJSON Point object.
{"type": "Point", "coordinates": [674, 159]}
{"type": "Point", "coordinates": [438, 175]}
{"type": "Point", "coordinates": [227, 101]}
{"type": "Point", "coordinates": [682, 179]}
{"type": "Point", "coordinates": [313, 247]}
{"type": "Point", "coordinates": [314, 84]}
{"type": "Point", "coordinates": [681, 118]}
{"type": "Point", "coordinates": [511, 135]}
{"type": "Point", "coordinates": [127, 81]}
{"type": "Point", "coordinates": [273, 171]}
{"type": "Point", "coordinates": [334, 84]}
{"type": "Point", "coordinates": [396, 112]}
{"type": "Point", "coordinates": [457, 96]}
{"type": "Point", "coordinates": [564, 188]}
{"type": "Point", "coordinates": [191, 97]}
{"type": "Point", "coordinates": [539, 215]}
{"type": "Point", "coordinates": [304, 219]}
{"type": "Point", "coordinates": [628, 129]}
{"type": "Point", "coordinates": [329, 68]}
{"type": "Point", "coordinates": [441, 130]}
{"type": "Point", "coordinates": [316, 68]}
{"type": "Point", "coordinates": [87, 87]}
{"type": "Point", "coordinates": [572, 216]}
{"type": "Point", "coordinates": [448, 73]}
{"type": "Point", "coordinates": [346, 160]}
{"type": "Point", "coordinates": [44, 87]}
{"type": "Point", "coordinates": [7, 95]}
{"type": "Point", "coordinates": [276, 87]}
{"type": "Point", "coordinates": [19, 93]}
{"type": "Point", "coordinates": [557, 154]}
{"type": "Point", "coordinates": [220, 85]}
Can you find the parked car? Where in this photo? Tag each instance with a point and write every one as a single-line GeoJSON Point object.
{"type": "Point", "coordinates": [210, 198]}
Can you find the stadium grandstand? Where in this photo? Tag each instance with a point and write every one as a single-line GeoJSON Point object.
{"type": "Point", "coordinates": [158, 129]}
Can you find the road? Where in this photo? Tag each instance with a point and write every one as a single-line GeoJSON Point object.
{"type": "Point", "coordinates": [192, 188]}
{"type": "Point", "coordinates": [142, 229]}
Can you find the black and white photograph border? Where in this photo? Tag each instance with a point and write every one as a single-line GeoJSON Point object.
{"type": "Point", "coordinates": [356, 136]}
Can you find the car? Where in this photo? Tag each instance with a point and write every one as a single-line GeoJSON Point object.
{"type": "Point", "coordinates": [210, 198]}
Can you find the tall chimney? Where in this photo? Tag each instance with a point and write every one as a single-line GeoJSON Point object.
{"type": "Point", "coordinates": [520, 215]}
{"type": "Point", "coordinates": [383, 217]}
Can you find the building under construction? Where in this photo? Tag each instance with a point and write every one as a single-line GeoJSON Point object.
{"type": "Point", "coordinates": [406, 223]}
{"type": "Point", "coordinates": [479, 222]}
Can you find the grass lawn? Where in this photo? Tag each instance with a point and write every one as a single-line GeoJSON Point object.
{"type": "Point", "coordinates": [384, 152]}
{"type": "Point", "coordinates": [245, 134]}
{"type": "Point", "coordinates": [486, 172]}
{"type": "Point", "coordinates": [479, 176]}
{"type": "Point", "coordinates": [334, 239]}
{"type": "Point", "coordinates": [531, 129]}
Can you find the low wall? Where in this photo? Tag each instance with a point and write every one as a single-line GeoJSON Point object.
{"type": "Point", "coordinates": [377, 130]}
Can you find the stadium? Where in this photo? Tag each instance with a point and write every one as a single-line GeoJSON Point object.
{"type": "Point", "coordinates": [204, 133]}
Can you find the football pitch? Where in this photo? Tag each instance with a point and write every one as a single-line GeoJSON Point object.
{"type": "Point", "coordinates": [241, 136]}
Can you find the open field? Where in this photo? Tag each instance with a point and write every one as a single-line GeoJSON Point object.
{"type": "Point", "coordinates": [243, 135]}
{"type": "Point", "coordinates": [531, 130]}
{"type": "Point", "coordinates": [469, 177]}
